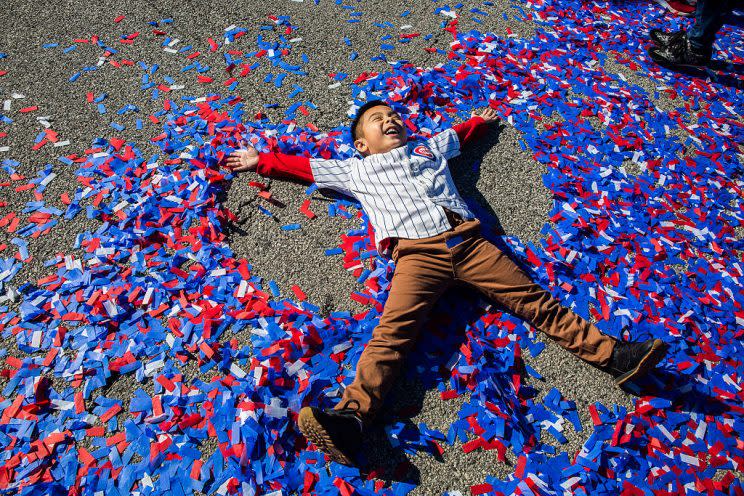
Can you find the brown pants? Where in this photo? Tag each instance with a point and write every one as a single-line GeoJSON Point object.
{"type": "Point", "coordinates": [425, 268]}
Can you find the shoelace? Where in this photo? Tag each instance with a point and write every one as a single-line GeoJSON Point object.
{"type": "Point", "coordinates": [346, 409]}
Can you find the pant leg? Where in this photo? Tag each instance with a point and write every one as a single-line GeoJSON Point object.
{"type": "Point", "coordinates": [423, 272]}
{"type": "Point", "coordinates": [480, 263]}
{"type": "Point", "coordinates": [709, 15]}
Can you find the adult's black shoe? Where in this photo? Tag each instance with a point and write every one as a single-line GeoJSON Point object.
{"type": "Point", "coordinates": [631, 361]}
{"type": "Point", "coordinates": [679, 55]}
{"type": "Point", "coordinates": [662, 38]}
{"type": "Point", "coordinates": [336, 432]}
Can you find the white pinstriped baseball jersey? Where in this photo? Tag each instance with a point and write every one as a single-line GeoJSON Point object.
{"type": "Point", "coordinates": [404, 191]}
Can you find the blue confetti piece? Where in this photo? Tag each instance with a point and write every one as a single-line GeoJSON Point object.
{"type": "Point", "coordinates": [274, 289]}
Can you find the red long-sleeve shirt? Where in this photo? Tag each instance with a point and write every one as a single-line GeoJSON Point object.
{"type": "Point", "coordinates": [297, 167]}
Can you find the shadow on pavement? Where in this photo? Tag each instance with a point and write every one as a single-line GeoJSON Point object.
{"type": "Point", "coordinates": [680, 391]}
{"type": "Point", "coordinates": [466, 170]}
{"type": "Point", "coordinates": [725, 73]}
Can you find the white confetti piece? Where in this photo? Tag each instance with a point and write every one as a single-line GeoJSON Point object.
{"type": "Point", "coordinates": [48, 179]}
{"type": "Point", "coordinates": [148, 295]}
{"type": "Point", "coordinates": [242, 287]}
{"type": "Point", "coordinates": [237, 371]}
{"type": "Point", "coordinates": [666, 433]}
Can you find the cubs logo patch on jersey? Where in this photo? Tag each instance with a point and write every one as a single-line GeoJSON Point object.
{"type": "Point", "coordinates": [423, 151]}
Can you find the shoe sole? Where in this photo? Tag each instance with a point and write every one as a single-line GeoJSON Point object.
{"type": "Point", "coordinates": [316, 434]}
{"type": "Point", "coordinates": [672, 66]}
{"type": "Point", "coordinates": [649, 361]}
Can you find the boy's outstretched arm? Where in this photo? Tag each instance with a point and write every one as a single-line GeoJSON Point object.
{"type": "Point", "coordinates": [476, 127]}
{"type": "Point", "coordinates": [277, 165]}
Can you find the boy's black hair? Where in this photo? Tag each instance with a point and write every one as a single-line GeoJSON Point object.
{"type": "Point", "coordinates": [360, 113]}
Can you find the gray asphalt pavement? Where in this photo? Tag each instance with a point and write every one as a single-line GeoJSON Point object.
{"type": "Point", "coordinates": [509, 181]}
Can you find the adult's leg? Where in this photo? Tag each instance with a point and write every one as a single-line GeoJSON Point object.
{"type": "Point", "coordinates": [423, 272]}
{"type": "Point", "coordinates": [709, 16]}
{"type": "Point", "coordinates": [480, 263]}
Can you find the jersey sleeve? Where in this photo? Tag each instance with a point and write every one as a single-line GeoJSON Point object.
{"type": "Point", "coordinates": [446, 143]}
{"type": "Point", "coordinates": [471, 130]}
{"type": "Point", "coordinates": [333, 174]}
{"type": "Point", "coordinates": [280, 165]}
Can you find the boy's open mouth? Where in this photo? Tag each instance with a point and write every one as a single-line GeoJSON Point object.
{"type": "Point", "coordinates": [393, 131]}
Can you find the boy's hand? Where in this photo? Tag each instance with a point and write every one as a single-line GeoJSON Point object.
{"type": "Point", "coordinates": [488, 114]}
{"type": "Point", "coordinates": [242, 160]}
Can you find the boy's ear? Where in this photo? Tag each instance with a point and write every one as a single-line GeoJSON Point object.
{"type": "Point", "coordinates": [361, 146]}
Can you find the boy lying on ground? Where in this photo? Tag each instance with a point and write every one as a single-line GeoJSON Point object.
{"type": "Point", "coordinates": [420, 220]}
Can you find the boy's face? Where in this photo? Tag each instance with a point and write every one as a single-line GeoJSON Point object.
{"type": "Point", "coordinates": [380, 130]}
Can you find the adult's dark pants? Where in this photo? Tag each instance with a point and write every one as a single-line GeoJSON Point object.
{"type": "Point", "coordinates": [709, 17]}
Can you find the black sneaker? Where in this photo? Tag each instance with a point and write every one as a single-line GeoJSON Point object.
{"type": "Point", "coordinates": [662, 38]}
{"type": "Point", "coordinates": [336, 432]}
{"type": "Point", "coordinates": [630, 361]}
{"type": "Point", "coordinates": [678, 55]}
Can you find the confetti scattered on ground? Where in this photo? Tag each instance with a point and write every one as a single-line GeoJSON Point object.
{"type": "Point", "coordinates": [645, 237]}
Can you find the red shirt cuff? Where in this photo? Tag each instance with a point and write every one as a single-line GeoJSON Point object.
{"type": "Point", "coordinates": [471, 130]}
{"type": "Point", "coordinates": [284, 166]}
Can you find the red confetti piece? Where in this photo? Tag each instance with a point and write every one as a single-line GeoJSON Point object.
{"type": "Point", "coordinates": [108, 414]}
{"type": "Point", "coordinates": [299, 293]}
{"type": "Point", "coordinates": [480, 489]}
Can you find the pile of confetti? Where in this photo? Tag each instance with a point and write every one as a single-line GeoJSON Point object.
{"type": "Point", "coordinates": [645, 237]}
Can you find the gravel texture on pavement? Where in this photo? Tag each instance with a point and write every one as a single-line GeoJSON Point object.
{"type": "Point", "coordinates": [508, 182]}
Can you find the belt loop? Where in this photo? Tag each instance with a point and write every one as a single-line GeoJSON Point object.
{"type": "Point", "coordinates": [394, 249]}
{"type": "Point", "coordinates": [453, 218]}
